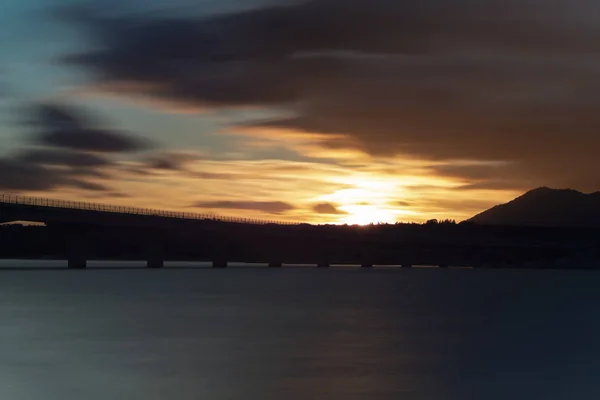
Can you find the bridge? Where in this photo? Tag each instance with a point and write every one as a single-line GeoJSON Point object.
{"type": "Point", "coordinates": [82, 231]}
{"type": "Point", "coordinates": [36, 209]}
{"type": "Point", "coordinates": [76, 220]}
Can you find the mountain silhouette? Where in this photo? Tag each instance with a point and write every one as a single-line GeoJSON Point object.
{"type": "Point", "coordinates": [546, 207]}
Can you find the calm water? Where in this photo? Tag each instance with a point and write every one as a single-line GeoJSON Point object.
{"type": "Point", "coordinates": [299, 334]}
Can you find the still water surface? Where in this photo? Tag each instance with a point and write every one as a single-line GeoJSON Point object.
{"type": "Point", "coordinates": [298, 334]}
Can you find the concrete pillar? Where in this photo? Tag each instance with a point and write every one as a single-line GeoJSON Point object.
{"type": "Point", "coordinates": [156, 255]}
{"type": "Point", "coordinates": [155, 262]}
{"type": "Point", "coordinates": [220, 264]}
{"type": "Point", "coordinates": [155, 248]}
{"type": "Point", "coordinates": [275, 264]}
{"type": "Point", "coordinates": [77, 261]}
{"type": "Point", "coordinates": [76, 248]}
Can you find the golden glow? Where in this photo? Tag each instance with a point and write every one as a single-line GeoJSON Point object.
{"type": "Point", "coordinates": [356, 187]}
{"type": "Point", "coordinates": [364, 215]}
{"type": "Point", "coordinates": [365, 199]}
{"type": "Point", "coordinates": [377, 191]}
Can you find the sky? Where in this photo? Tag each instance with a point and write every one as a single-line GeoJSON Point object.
{"type": "Point", "coordinates": [321, 111]}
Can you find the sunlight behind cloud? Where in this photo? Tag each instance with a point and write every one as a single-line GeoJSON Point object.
{"type": "Point", "coordinates": [368, 214]}
{"type": "Point", "coordinates": [382, 190]}
{"type": "Point", "coordinates": [367, 199]}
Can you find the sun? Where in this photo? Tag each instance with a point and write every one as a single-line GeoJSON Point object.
{"type": "Point", "coordinates": [368, 199]}
{"type": "Point", "coordinates": [367, 214]}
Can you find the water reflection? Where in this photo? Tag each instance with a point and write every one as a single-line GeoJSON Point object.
{"type": "Point", "coordinates": [298, 334]}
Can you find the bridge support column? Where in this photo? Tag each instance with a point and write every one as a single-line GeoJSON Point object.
{"type": "Point", "coordinates": [77, 261]}
{"type": "Point", "coordinates": [77, 247]}
{"type": "Point", "coordinates": [155, 262]}
{"type": "Point", "coordinates": [367, 253]}
{"type": "Point", "coordinates": [155, 252]}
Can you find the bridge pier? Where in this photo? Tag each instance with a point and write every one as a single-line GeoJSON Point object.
{"type": "Point", "coordinates": [76, 248]}
{"type": "Point", "coordinates": [76, 261]}
{"type": "Point", "coordinates": [156, 251]}
{"type": "Point", "coordinates": [155, 262]}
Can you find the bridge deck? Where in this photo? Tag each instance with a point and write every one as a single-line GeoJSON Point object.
{"type": "Point", "coordinates": [16, 207]}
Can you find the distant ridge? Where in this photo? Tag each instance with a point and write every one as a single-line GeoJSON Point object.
{"type": "Point", "coordinates": [546, 207]}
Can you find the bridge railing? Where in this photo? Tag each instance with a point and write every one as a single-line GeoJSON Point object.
{"type": "Point", "coordinates": [100, 207]}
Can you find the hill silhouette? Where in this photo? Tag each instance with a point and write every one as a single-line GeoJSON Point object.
{"type": "Point", "coordinates": [546, 207]}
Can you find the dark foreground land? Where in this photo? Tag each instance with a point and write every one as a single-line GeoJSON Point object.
{"type": "Point", "coordinates": [442, 244]}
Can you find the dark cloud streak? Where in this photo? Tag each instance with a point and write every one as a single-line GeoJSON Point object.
{"type": "Point", "coordinates": [514, 81]}
{"type": "Point", "coordinates": [66, 142]}
{"type": "Point", "coordinates": [327, 209]}
{"type": "Point", "coordinates": [270, 207]}
{"type": "Point", "coordinates": [63, 158]}
{"type": "Point", "coordinates": [66, 127]}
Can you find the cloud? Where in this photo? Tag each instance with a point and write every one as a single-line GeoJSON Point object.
{"type": "Point", "coordinates": [66, 127]}
{"type": "Point", "coordinates": [166, 164]}
{"type": "Point", "coordinates": [96, 141]}
{"type": "Point", "coordinates": [514, 81]}
{"type": "Point", "coordinates": [19, 175]}
{"type": "Point", "coordinates": [15, 175]}
{"type": "Point", "coordinates": [62, 158]}
{"type": "Point", "coordinates": [206, 175]}
{"type": "Point", "coordinates": [91, 186]}
{"type": "Point", "coordinates": [270, 207]}
{"type": "Point", "coordinates": [327, 209]}
{"type": "Point", "coordinates": [370, 26]}
{"type": "Point", "coordinates": [171, 160]}
{"type": "Point", "coordinates": [68, 150]}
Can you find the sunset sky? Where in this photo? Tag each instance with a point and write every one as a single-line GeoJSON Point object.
{"type": "Point", "coordinates": [340, 111]}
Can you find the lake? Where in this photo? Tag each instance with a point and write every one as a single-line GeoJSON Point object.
{"type": "Point", "coordinates": [298, 333]}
